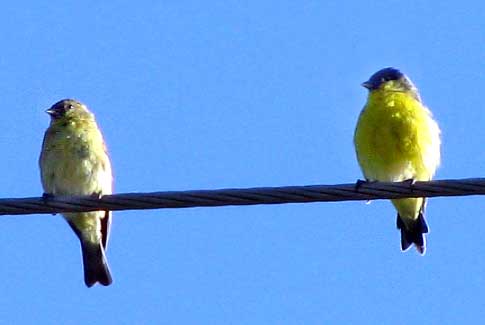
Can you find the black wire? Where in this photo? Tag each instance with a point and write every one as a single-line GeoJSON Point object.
{"type": "Point", "coordinates": [245, 196]}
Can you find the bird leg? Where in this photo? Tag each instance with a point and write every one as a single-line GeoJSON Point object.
{"type": "Point", "coordinates": [361, 182]}
{"type": "Point", "coordinates": [410, 182]}
{"type": "Point", "coordinates": [46, 197]}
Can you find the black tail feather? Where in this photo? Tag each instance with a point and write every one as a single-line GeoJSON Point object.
{"type": "Point", "coordinates": [95, 265]}
{"type": "Point", "coordinates": [94, 259]}
{"type": "Point", "coordinates": [414, 234]}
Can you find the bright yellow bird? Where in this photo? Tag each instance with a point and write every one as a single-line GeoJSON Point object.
{"type": "Point", "coordinates": [74, 161]}
{"type": "Point", "coordinates": [396, 139]}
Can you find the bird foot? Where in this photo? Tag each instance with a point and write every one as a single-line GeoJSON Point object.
{"type": "Point", "coordinates": [96, 195]}
{"type": "Point", "coordinates": [409, 181]}
{"type": "Point", "coordinates": [46, 197]}
{"type": "Point", "coordinates": [359, 184]}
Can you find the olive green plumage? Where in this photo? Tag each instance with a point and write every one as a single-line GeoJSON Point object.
{"type": "Point", "coordinates": [74, 161]}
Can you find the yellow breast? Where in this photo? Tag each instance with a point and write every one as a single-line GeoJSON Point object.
{"type": "Point", "coordinates": [74, 160]}
{"type": "Point", "coordinates": [396, 138]}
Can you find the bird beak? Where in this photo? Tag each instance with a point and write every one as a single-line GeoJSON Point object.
{"type": "Point", "coordinates": [50, 111]}
{"type": "Point", "coordinates": [366, 85]}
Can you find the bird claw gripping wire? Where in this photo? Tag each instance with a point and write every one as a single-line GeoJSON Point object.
{"type": "Point", "coordinates": [410, 182]}
{"type": "Point", "coordinates": [46, 197]}
{"type": "Point", "coordinates": [359, 184]}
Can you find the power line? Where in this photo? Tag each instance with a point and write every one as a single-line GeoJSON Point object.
{"type": "Point", "coordinates": [244, 196]}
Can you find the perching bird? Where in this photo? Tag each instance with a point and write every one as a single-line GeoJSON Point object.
{"type": "Point", "coordinates": [396, 139]}
{"type": "Point", "coordinates": [74, 161]}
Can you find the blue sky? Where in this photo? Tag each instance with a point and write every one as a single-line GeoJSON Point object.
{"type": "Point", "coordinates": [205, 95]}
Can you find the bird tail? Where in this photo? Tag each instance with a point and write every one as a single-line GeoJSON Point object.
{"type": "Point", "coordinates": [413, 233]}
{"type": "Point", "coordinates": [95, 264]}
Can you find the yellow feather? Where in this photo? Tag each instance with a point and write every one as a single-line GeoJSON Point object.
{"type": "Point", "coordinates": [74, 161]}
{"type": "Point", "coordinates": [397, 139]}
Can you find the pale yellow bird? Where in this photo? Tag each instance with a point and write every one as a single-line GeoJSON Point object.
{"type": "Point", "coordinates": [396, 139]}
{"type": "Point", "coordinates": [74, 161]}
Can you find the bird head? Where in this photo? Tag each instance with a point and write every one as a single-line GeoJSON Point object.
{"type": "Point", "coordinates": [66, 108]}
{"type": "Point", "coordinates": [391, 79]}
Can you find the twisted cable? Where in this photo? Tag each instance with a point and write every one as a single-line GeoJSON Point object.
{"type": "Point", "coordinates": [244, 196]}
